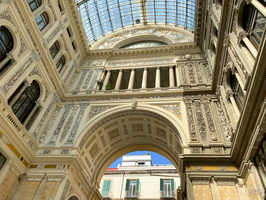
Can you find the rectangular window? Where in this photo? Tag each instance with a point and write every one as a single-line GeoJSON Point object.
{"type": "Point", "coordinates": [167, 187]}
{"type": "Point", "coordinates": [2, 160]}
{"type": "Point", "coordinates": [106, 188]}
{"type": "Point", "coordinates": [132, 188]}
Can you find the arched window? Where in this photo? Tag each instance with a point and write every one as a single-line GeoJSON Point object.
{"type": "Point", "coordinates": [73, 198]}
{"type": "Point", "coordinates": [237, 91]}
{"type": "Point", "coordinates": [6, 45]}
{"type": "Point", "coordinates": [42, 20]}
{"type": "Point", "coordinates": [254, 23]}
{"type": "Point", "coordinates": [34, 4]}
{"type": "Point", "coordinates": [54, 49]}
{"type": "Point", "coordinates": [26, 102]}
{"type": "Point", "coordinates": [60, 63]}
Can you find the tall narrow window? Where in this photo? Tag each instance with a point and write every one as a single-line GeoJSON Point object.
{"type": "Point", "coordinates": [106, 188]}
{"type": "Point", "coordinates": [60, 63]}
{"type": "Point", "coordinates": [260, 162]}
{"type": "Point", "coordinates": [42, 20]}
{"type": "Point", "coordinates": [2, 160]}
{"type": "Point", "coordinates": [34, 4]}
{"type": "Point", "coordinates": [26, 102]}
{"type": "Point", "coordinates": [254, 23]}
{"type": "Point", "coordinates": [237, 91]}
{"type": "Point", "coordinates": [6, 45]}
{"type": "Point", "coordinates": [54, 49]}
{"type": "Point", "coordinates": [132, 188]}
{"type": "Point", "coordinates": [167, 187]}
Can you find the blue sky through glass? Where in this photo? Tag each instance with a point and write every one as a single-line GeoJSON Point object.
{"type": "Point", "coordinates": [102, 16]}
{"type": "Point", "coordinates": [156, 158]}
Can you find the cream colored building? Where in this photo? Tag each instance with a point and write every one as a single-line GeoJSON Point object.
{"type": "Point", "coordinates": [137, 177]}
{"type": "Point", "coordinates": [85, 82]}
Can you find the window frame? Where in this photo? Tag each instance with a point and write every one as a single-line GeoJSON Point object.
{"type": "Point", "coordinates": [42, 20]}
{"type": "Point", "coordinates": [34, 4]}
{"type": "Point", "coordinates": [54, 49]}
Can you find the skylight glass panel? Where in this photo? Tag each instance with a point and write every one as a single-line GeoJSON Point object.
{"type": "Point", "coordinates": [103, 16]}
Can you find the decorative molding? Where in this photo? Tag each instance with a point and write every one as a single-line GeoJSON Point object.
{"type": "Point", "coordinates": [17, 75]}
{"type": "Point", "coordinates": [175, 109]}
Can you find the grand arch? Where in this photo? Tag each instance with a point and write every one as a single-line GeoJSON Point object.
{"type": "Point", "coordinates": [122, 130]}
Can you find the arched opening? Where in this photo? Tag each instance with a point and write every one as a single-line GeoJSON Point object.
{"type": "Point", "coordinates": [144, 174]}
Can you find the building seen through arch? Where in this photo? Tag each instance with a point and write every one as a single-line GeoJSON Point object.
{"type": "Point", "coordinates": [83, 82]}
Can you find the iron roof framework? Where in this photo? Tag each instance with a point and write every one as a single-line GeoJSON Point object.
{"type": "Point", "coordinates": [103, 16]}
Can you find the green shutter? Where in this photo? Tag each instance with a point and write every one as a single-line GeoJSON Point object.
{"type": "Point", "coordinates": [106, 188]}
{"type": "Point", "coordinates": [127, 184]}
{"type": "Point", "coordinates": [161, 184]}
{"type": "Point", "coordinates": [172, 185]}
{"type": "Point", "coordinates": [137, 185]}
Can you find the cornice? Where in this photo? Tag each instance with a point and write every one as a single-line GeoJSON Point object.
{"type": "Point", "coordinates": [174, 49]}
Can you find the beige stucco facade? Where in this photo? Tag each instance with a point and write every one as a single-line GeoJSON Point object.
{"type": "Point", "coordinates": [79, 124]}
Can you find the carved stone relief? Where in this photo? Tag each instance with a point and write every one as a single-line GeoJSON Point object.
{"type": "Point", "coordinates": [94, 150]}
{"type": "Point", "coordinates": [210, 122]}
{"type": "Point", "coordinates": [97, 110]}
{"type": "Point", "coordinates": [72, 135]}
{"type": "Point", "coordinates": [43, 119]}
{"type": "Point", "coordinates": [137, 127]}
{"type": "Point", "coordinates": [49, 125]}
{"type": "Point", "coordinates": [160, 132]}
{"type": "Point", "coordinates": [23, 46]}
{"type": "Point", "coordinates": [224, 122]}
{"type": "Point", "coordinates": [35, 71]}
{"type": "Point", "coordinates": [201, 125]}
{"type": "Point", "coordinates": [69, 73]}
{"type": "Point", "coordinates": [53, 34]}
{"type": "Point", "coordinates": [81, 79]}
{"type": "Point", "coordinates": [88, 79]}
{"type": "Point", "coordinates": [68, 107]}
{"type": "Point", "coordinates": [175, 35]}
{"type": "Point", "coordinates": [69, 123]}
{"type": "Point", "coordinates": [6, 16]}
{"type": "Point", "coordinates": [175, 109]}
{"type": "Point", "coordinates": [191, 122]}
{"type": "Point", "coordinates": [17, 75]}
{"type": "Point", "coordinates": [113, 133]}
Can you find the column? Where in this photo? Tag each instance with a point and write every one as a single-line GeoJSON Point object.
{"type": "Point", "coordinates": [144, 79]}
{"type": "Point", "coordinates": [250, 46]}
{"type": "Point", "coordinates": [171, 77]}
{"type": "Point", "coordinates": [98, 86]}
{"type": "Point", "coordinates": [158, 78]}
{"type": "Point", "coordinates": [231, 98]}
{"type": "Point", "coordinates": [106, 80]}
{"type": "Point", "coordinates": [131, 79]}
{"type": "Point", "coordinates": [40, 188]}
{"type": "Point", "coordinates": [119, 79]}
{"type": "Point", "coordinates": [177, 76]}
{"type": "Point", "coordinates": [258, 5]}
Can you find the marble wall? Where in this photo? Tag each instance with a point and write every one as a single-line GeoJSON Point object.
{"type": "Point", "coordinates": [202, 192]}
{"type": "Point", "coordinates": [8, 184]}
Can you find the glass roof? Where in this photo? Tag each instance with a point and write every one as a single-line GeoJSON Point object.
{"type": "Point", "coordinates": [102, 16]}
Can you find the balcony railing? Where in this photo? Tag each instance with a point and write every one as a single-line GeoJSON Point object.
{"type": "Point", "coordinates": [167, 195]}
{"type": "Point", "coordinates": [131, 195]}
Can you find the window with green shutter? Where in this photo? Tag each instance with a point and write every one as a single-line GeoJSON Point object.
{"type": "Point", "coordinates": [132, 188]}
{"type": "Point", "coordinates": [167, 187]}
{"type": "Point", "coordinates": [106, 188]}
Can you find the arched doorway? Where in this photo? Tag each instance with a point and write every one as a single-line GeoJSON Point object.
{"type": "Point", "coordinates": [119, 132]}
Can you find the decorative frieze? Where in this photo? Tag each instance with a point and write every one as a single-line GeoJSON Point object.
{"type": "Point", "coordinates": [176, 36]}
{"type": "Point", "coordinates": [210, 122]}
{"type": "Point", "coordinates": [53, 34]}
{"type": "Point", "coordinates": [175, 109]}
{"type": "Point", "coordinates": [6, 16]}
{"type": "Point", "coordinates": [69, 123]}
{"type": "Point", "coordinates": [224, 123]}
{"type": "Point", "coordinates": [201, 125]}
{"type": "Point", "coordinates": [81, 79]}
{"type": "Point", "coordinates": [69, 73]}
{"type": "Point", "coordinates": [72, 135]}
{"type": "Point", "coordinates": [49, 125]}
{"type": "Point", "coordinates": [17, 75]}
{"type": "Point", "coordinates": [191, 122]}
{"type": "Point", "coordinates": [68, 107]}
{"type": "Point", "coordinates": [23, 46]}
{"type": "Point", "coordinates": [43, 119]}
{"type": "Point", "coordinates": [140, 63]}
{"type": "Point", "coordinates": [88, 79]}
